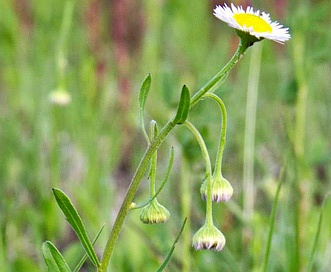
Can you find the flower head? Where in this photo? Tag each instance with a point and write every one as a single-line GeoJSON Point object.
{"type": "Point", "coordinates": [255, 23]}
{"type": "Point", "coordinates": [208, 237]}
{"type": "Point", "coordinates": [154, 212]}
{"type": "Point", "coordinates": [221, 189]}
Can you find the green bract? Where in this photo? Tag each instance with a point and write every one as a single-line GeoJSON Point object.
{"type": "Point", "coordinates": [208, 237]}
{"type": "Point", "coordinates": [154, 213]}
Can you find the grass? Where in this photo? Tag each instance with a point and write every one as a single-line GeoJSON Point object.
{"type": "Point", "coordinates": [91, 147]}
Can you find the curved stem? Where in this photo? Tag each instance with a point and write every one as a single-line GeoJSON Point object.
{"type": "Point", "coordinates": [202, 145]}
{"type": "Point", "coordinates": [197, 135]}
{"type": "Point", "coordinates": [242, 47]}
{"type": "Point", "coordinates": [143, 165]}
{"type": "Point", "coordinates": [221, 146]}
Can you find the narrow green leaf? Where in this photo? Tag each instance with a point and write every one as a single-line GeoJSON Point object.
{"type": "Point", "coordinates": [272, 220]}
{"type": "Point", "coordinates": [317, 235]}
{"type": "Point", "coordinates": [76, 223]}
{"type": "Point", "coordinates": [183, 107]}
{"type": "Point", "coordinates": [53, 258]}
{"type": "Point", "coordinates": [83, 259]}
{"type": "Point", "coordinates": [166, 261]}
{"type": "Point", "coordinates": [143, 93]}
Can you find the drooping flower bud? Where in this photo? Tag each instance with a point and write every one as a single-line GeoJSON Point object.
{"type": "Point", "coordinates": [221, 190]}
{"type": "Point", "coordinates": [208, 237]}
{"type": "Point", "coordinates": [154, 213]}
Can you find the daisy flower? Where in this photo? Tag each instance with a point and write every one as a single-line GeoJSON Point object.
{"type": "Point", "coordinates": [255, 23]}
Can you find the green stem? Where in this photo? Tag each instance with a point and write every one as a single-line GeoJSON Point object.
{"type": "Point", "coordinates": [197, 135]}
{"type": "Point", "coordinates": [218, 163]}
{"type": "Point", "coordinates": [202, 145]}
{"type": "Point", "coordinates": [143, 165]}
{"type": "Point", "coordinates": [209, 204]}
{"type": "Point", "coordinates": [152, 174]}
{"type": "Point", "coordinates": [142, 168]}
{"type": "Point", "coordinates": [221, 74]}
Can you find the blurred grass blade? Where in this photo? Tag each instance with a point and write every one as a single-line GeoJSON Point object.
{"type": "Point", "coordinates": [317, 234]}
{"type": "Point", "coordinates": [54, 259]}
{"type": "Point", "coordinates": [76, 223]}
{"type": "Point", "coordinates": [272, 221]}
{"type": "Point", "coordinates": [172, 248]}
{"type": "Point", "coordinates": [143, 93]}
{"type": "Point", "coordinates": [82, 261]}
{"type": "Point", "coordinates": [183, 107]}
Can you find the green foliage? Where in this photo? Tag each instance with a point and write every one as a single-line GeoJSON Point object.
{"type": "Point", "coordinates": [53, 258]}
{"type": "Point", "coordinates": [144, 90]}
{"type": "Point", "coordinates": [76, 223]}
{"type": "Point", "coordinates": [183, 106]}
{"type": "Point", "coordinates": [90, 146]}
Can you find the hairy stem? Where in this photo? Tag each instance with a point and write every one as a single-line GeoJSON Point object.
{"type": "Point", "coordinates": [221, 74]}
{"type": "Point", "coordinates": [142, 168]}
{"type": "Point", "coordinates": [204, 151]}
{"type": "Point", "coordinates": [144, 163]}
{"type": "Point", "coordinates": [222, 141]}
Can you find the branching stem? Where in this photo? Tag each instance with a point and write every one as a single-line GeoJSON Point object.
{"type": "Point", "coordinates": [154, 145]}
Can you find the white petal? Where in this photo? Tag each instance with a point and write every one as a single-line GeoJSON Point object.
{"type": "Point", "coordinates": [226, 14]}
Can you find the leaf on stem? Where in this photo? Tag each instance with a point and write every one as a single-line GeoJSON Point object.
{"type": "Point", "coordinates": [76, 223]}
{"type": "Point", "coordinates": [143, 93]}
{"type": "Point", "coordinates": [183, 106]}
{"type": "Point", "coordinates": [53, 258]}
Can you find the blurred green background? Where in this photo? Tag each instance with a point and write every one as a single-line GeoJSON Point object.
{"type": "Point", "coordinates": [95, 54]}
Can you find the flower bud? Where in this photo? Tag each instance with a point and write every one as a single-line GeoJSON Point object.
{"type": "Point", "coordinates": [132, 205]}
{"type": "Point", "coordinates": [221, 189]}
{"type": "Point", "coordinates": [154, 212]}
{"type": "Point", "coordinates": [208, 237]}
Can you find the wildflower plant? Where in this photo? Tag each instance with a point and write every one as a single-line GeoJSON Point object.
{"type": "Point", "coordinates": [251, 27]}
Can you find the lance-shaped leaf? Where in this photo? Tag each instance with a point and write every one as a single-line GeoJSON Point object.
{"type": "Point", "coordinates": [53, 258]}
{"type": "Point", "coordinates": [143, 93]}
{"type": "Point", "coordinates": [76, 223]}
{"type": "Point", "coordinates": [183, 107]}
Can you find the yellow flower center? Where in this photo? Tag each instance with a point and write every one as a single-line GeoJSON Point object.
{"type": "Point", "coordinates": [252, 21]}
